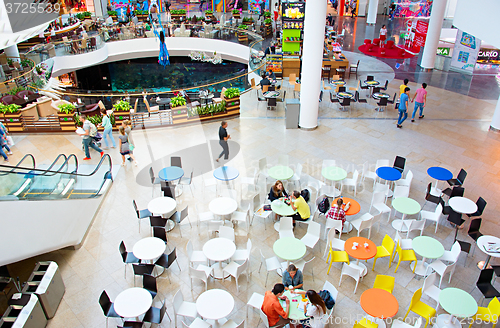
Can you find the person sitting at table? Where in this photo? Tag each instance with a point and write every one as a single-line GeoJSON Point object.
{"type": "Point", "coordinates": [271, 75]}
{"type": "Point", "coordinates": [292, 278]}
{"type": "Point", "coordinates": [277, 191]}
{"type": "Point", "coordinates": [264, 81]}
{"type": "Point", "coordinates": [336, 212]}
{"type": "Point", "coordinates": [299, 205]}
{"type": "Point", "coordinates": [271, 306]}
{"type": "Point", "coordinates": [315, 308]}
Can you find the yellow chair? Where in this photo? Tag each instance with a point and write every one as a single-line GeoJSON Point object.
{"type": "Point", "coordinates": [420, 308]}
{"type": "Point", "coordinates": [386, 249]}
{"type": "Point", "coordinates": [384, 282]}
{"type": "Point", "coordinates": [336, 256]}
{"type": "Point", "coordinates": [488, 314]}
{"type": "Point", "coordinates": [325, 87]}
{"type": "Point", "coordinates": [405, 255]}
{"type": "Point", "coordinates": [256, 87]}
{"type": "Point", "coordinates": [365, 323]}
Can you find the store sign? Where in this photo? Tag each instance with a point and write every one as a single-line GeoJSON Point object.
{"type": "Point", "coordinates": [293, 11]}
{"type": "Point", "coordinates": [466, 51]}
{"type": "Point", "coordinates": [488, 55]}
{"type": "Point", "coordinates": [443, 51]}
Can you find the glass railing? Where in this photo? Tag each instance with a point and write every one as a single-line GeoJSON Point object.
{"type": "Point", "coordinates": [62, 179]}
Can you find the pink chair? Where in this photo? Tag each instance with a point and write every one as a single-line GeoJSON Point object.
{"type": "Point", "coordinates": [23, 93]}
{"type": "Point", "coordinates": [8, 99]}
{"type": "Point", "coordinates": [376, 42]}
{"type": "Point", "coordinates": [367, 41]}
{"type": "Point", "coordinates": [389, 44]}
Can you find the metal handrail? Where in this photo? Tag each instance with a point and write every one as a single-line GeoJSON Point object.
{"type": "Point", "coordinates": [24, 75]}
{"type": "Point", "coordinates": [30, 156]}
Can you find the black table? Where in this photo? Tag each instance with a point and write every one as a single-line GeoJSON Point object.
{"type": "Point", "coordinates": [379, 95]}
{"type": "Point", "coordinates": [207, 98]}
{"type": "Point", "coordinates": [22, 102]}
{"type": "Point", "coordinates": [163, 102]}
{"type": "Point", "coordinates": [345, 94]}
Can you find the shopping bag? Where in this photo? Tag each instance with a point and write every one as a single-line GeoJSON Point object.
{"type": "Point", "coordinates": [131, 147]}
{"type": "Point", "coordinates": [10, 141]}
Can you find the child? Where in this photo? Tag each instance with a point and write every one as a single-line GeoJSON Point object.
{"type": "Point", "coordinates": [124, 146]}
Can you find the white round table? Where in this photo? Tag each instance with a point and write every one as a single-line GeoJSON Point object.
{"type": "Point", "coordinates": [462, 205]}
{"type": "Point", "coordinates": [215, 304]}
{"type": "Point", "coordinates": [223, 206]}
{"type": "Point", "coordinates": [219, 249]}
{"type": "Point", "coordinates": [164, 206]}
{"type": "Point", "coordinates": [149, 249]}
{"type": "Point", "coordinates": [133, 302]}
{"type": "Point", "coordinates": [485, 241]}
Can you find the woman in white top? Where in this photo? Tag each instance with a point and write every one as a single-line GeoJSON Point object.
{"type": "Point", "coordinates": [315, 309]}
{"type": "Point", "coordinates": [383, 34]}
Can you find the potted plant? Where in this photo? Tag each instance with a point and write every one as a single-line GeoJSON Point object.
{"type": "Point", "coordinates": [142, 15]}
{"type": "Point", "coordinates": [121, 111]}
{"type": "Point", "coordinates": [87, 15]}
{"type": "Point", "coordinates": [12, 117]}
{"type": "Point", "coordinates": [247, 20]}
{"type": "Point", "coordinates": [96, 120]}
{"type": "Point", "coordinates": [209, 14]}
{"type": "Point", "coordinates": [179, 109]}
{"type": "Point", "coordinates": [113, 14]}
{"type": "Point", "coordinates": [242, 36]}
{"type": "Point", "coordinates": [236, 13]}
{"type": "Point", "coordinates": [232, 98]}
{"type": "Point", "coordinates": [81, 16]}
{"type": "Point", "coordinates": [10, 62]}
{"type": "Point", "coordinates": [268, 21]}
{"type": "Point", "coordinates": [267, 14]}
{"type": "Point", "coordinates": [66, 114]}
{"type": "Point", "coordinates": [26, 63]}
{"type": "Point", "coordinates": [178, 14]}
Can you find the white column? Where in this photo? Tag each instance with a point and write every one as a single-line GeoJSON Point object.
{"type": "Point", "coordinates": [362, 8]}
{"type": "Point", "coordinates": [312, 61]}
{"type": "Point", "coordinates": [495, 122]}
{"type": "Point", "coordinates": [372, 12]}
{"type": "Point", "coordinates": [12, 51]}
{"type": "Point", "coordinates": [433, 33]}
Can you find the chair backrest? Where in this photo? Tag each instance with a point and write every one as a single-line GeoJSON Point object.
{"type": "Point", "coordinates": [249, 247]}
{"type": "Point", "coordinates": [428, 191]}
{"type": "Point", "coordinates": [264, 318]}
{"type": "Point", "coordinates": [475, 225]}
{"type": "Point", "coordinates": [418, 323]}
{"type": "Point", "coordinates": [135, 207]}
{"type": "Point", "coordinates": [314, 228]}
{"type": "Point", "coordinates": [149, 282]}
{"type": "Point", "coordinates": [160, 232]}
{"type": "Point", "coordinates": [265, 88]}
{"type": "Point", "coordinates": [386, 84]}
{"type": "Point", "coordinates": [461, 176]}
{"type": "Point", "coordinates": [416, 225]}
{"type": "Point", "coordinates": [355, 175]}
{"type": "Point", "coordinates": [381, 162]}
{"type": "Point", "coordinates": [189, 248]}
{"type": "Point", "coordinates": [292, 78]}
{"type": "Point", "coordinates": [369, 78]}
{"type": "Point", "coordinates": [494, 307]}
{"type": "Point", "coordinates": [175, 161]}
{"type": "Point", "coordinates": [152, 175]}
{"type": "Point", "coordinates": [457, 192]}
{"type": "Point", "coordinates": [382, 102]}
{"type": "Point", "coordinates": [378, 197]}
{"type": "Point", "coordinates": [241, 268]}
{"type": "Point", "coordinates": [455, 250]}
{"type": "Point", "coordinates": [439, 209]}
{"type": "Point", "coordinates": [226, 232]}
{"type": "Point", "coordinates": [351, 271]}
{"type": "Point", "coordinates": [298, 170]}
{"type": "Point", "coordinates": [172, 257]}
{"type": "Point", "coordinates": [399, 163]}
{"type": "Point", "coordinates": [123, 249]}
{"type": "Point", "coordinates": [338, 244]}
{"type": "Point", "coordinates": [105, 302]}
{"type": "Point", "coordinates": [214, 225]}
{"type": "Point", "coordinates": [416, 297]}
{"type": "Point", "coordinates": [409, 177]}
{"type": "Point", "coordinates": [263, 164]}
{"type": "Point", "coordinates": [335, 225]}
{"type": "Point", "coordinates": [141, 269]}
{"type": "Point", "coordinates": [330, 288]}
{"type": "Point", "coordinates": [401, 191]}
{"type": "Point", "coordinates": [384, 282]}
{"type": "Point", "coordinates": [367, 221]}
{"type": "Point", "coordinates": [346, 102]}
{"type": "Point", "coordinates": [342, 89]}
{"type": "Point", "coordinates": [200, 274]}
{"type": "Point", "coordinates": [256, 202]}
{"type": "Point", "coordinates": [185, 212]}
{"type": "Point", "coordinates": [388, 243]}
{"type": "Point", "coordinates": [481, 204]}
{"type": "Point", "coordinates": [178, 300]}
{"type": "Point", "coordinates": [429, 281]}
{"type": "Point", "coordinates": [286, 223]}
{"type": "Point", "coordinates": [4, 271]}
{"type": "Point", "coordinates": [485, 276]}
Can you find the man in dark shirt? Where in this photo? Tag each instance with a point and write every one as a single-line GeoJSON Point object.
{"type": "Point", "coordinates": [223, 137]}
{"type": "Point", "coordinates": [264, 82]}
{"type": "Point", "coordinates": [271, 75]}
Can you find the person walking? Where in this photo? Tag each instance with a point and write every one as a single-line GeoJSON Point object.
{"type": "Point", "coordinates": [90, 131]}
{"type": "Point", "coordinates": [223, 138]}
{"type": "Point", "coordinates": [108, 129]}
{"type": "Point", "coordinates": [420, 98]}
{"type": "Point", "coordinates": [353, 8]}
{"type": "Point", "coordinates": [403, 106]}
{"type": "Point", "coordinates": [5, 134]}
{"type": "Point", "coordinates": [202, 2]}
{"type": "Point", "coordinates": [3, 143]}
{"type": "Point", "coordinates": [125, 146]}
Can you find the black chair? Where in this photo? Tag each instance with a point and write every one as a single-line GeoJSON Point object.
{"type": "Point", "coordinates": [161, 233]}
{"type": "Point", "coordinates": [142, 269]}
{"type": "Point", "coordinates": [155, 315]}
{"type": "Point", "coordinates": [271, 102]}
{"type": "Point", "coordinates": [455, 192]}
{"type": "Point", "coordinates": [382, 103]}
{"type": "Point", "coordinates": [376, 90]}
{"type": "Point", "coordinates": [141, 214]}
{"type": "Point", "coordinates": [283, 98]}
{"type": "Point", "coordinates": [364, 87]}
{"type": "Point", "coordinates": [370, 78]}
{"type": "Point", "coordinates": [346, 102]}
{"type": "Point", "coordinates": [127, 257]}
{"type": "Point", "coordinates": [474, 227]}
{"type": "Point", "coordinates": [179, 216]}
{"type": "Point", "coordinates": [481, 204]}
{"type": "Point", "coordinates": [149, 284]}
{"type": "Point", "coordinates": [459, 180]}
{"type": "Point", "coordinates": [168, 189]}
{"type": "Point", "coordinates": [333, 99]}
{"type": "Point", "coordinates": [107, 307]}
{"type": "Point", "coordinates": [484, 284]}
{"type": "Point", "coordinates": [359, 100]}
{"type": "Point", "coordinates": [342, 89]}
{"type": "Point", "coordinates": [271, 88]}
{"type": "Point", "coordinates": [5, 280]}
{"type": "Point", "coordinates": [446, 209]}
{"type": "Point", "coordinates": [321, 96]}
{"type": "Point", "coordinates": [131, 324]}
{"type": "Point", "coordinates": [399, 163]}
{"type": "Point", "coordinates": [431, 198]}
{"type": "Point", "coordinates": [154, 180]}
{"type": "Point", "coordinates": [165, 261]}
{"type": "Point", "coordinates": [393, 99]}
{"type": "Point", "coordinates": [157, 221]}
{"type": "Point", "coordinates": [175, 161]}
{"type": "Point", "coordinates": [385, 86]}
{"type": "Point", "coordinates": [354, 68]}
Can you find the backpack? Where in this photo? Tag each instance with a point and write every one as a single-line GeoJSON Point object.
{"type": "Point", "coordinates": [327, 298]}
{"type": "Point", "coordinates": [93, 130]}
{"type": "Point", "coordinates": [324, 205]}
{"type": "Point", "coordinates": [305, 194]}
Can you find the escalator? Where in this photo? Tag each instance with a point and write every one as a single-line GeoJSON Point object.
{"type": "Point", "coordinates": [62, 179]}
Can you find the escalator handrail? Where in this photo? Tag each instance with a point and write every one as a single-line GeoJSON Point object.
{"type": "Point", "coordinates": [17, 165]}
{"type": "Point", "coordinates": [68, 158]}
{"type": "Point", "coordinates": [54, 163]}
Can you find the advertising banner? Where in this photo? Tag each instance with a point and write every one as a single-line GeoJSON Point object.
{"type": "Point", "coordinates": [292, 14]}
{"type": "Point", "coordinates": [416, 33]}
{"type": "Point", "coordinates": [412, 8]}
{"type": "Point", "coordinates": [465, 52]}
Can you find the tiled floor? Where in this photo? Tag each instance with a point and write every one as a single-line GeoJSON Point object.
{"type": "Point", "coordinates": [453, 134]}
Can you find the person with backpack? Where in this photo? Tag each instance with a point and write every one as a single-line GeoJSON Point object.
{"type": "Point", "coordinates": [90, 131]}
{"type": "Point", "coordinates": [277, 191]}
{"type": "Point", "coordinates": [315, 308]}
{"type": "Point", "coordinates": [336, 212]}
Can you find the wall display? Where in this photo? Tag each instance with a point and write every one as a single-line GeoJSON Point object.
{"type": "Point", "coordinates": [465, 52]}
{"type": "Point", "coordinates": [416, 33]}
{"type": "Point", "coordinates": [293, 11]}
{"type": "Point", "coordinates": [406, 8]}
{"type": "Point", "coordinates": [254, 6]}
{"type": "Point", "coordinates": [275, 64]}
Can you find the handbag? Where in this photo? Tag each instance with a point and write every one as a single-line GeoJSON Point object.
{"type": "Point", "coordinates": [131, 147]}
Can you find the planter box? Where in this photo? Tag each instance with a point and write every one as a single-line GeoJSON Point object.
{"type": "Point", "coordinates": [66, 121]}
{"type": "Point", "coordinates": [179, 115]}
{"type": "Point", "coordinates": [142, 18]}
{"type": "Point", "coordinates": [247, 23]}
{"type": "Point", "coordinates": [243, 38]}
{"type": "Point", "coordinates": [2, 119]}
{"type": "Point", "coordinates": [115, 18]}
{"type": "Point", "coordinates": [236, 15]}
{"type": "Point", "coordinates": [121, 116]}
{"type": "Point", "coordinates": [233, 106]}
{"type": "Point", "coordinates": [13, 122]}
{"type": "Point", "coordinates": [178, 16]}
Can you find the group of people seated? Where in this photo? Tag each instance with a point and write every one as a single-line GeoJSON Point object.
{"type": "Point", "coordinates": [298, 203]}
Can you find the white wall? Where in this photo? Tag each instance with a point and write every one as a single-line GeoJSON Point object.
{"type": "Point", "coordinates": [149, 47]}
{"type": "Point", "coordinates": [479, 18]}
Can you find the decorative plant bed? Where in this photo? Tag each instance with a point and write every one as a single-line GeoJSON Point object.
{"type": "Point", "coordinates": [67, 121]}
{"type": "Point", "coordinates": [13, 122]}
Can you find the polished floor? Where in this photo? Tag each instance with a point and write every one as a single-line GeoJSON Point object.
{"type": "Point", "coordinates": [454, 134]}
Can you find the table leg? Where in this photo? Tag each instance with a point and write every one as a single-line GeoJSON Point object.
{"type": "Point", "coordinates": [421, 268]}
{"type": "Point", "coordinates": [447, 321]}
{"type": "Point", "coordinates": [364, 271]}
{"type": "Point", "coordinates": [400, 225]}
{"type": "Point", "coordinates": [218, 272]}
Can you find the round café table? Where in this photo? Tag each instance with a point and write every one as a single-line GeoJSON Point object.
{"type": "Point", "coordinates": [280, 172]}
{"type": "Point", "coordinates": [371, 83]}
{"type": "Point", "coordinates": [462, 205]}
{"type": "Point", "coordinates": [281, 209]}
{"type": "Point", "coordinates": [406, 206]}
{"type": "Point", "coordinates": [440, 174]}
{"type": "Point", "coordinates": [223, 206]}
{"type": "Point", "coordinates": [458, 303]}
{"type": "Point", "coordinates": [360, 252]}
{"type": "Point", "coordinates": [339, 83]}
{"type": "Point", "coordinates": [215, 304]}
{"type": "Point", "coordinates": [164, 206]}
{"type": "Point", "coordinates": [296, 310]}
{"type": "Point", "coordinates": [133, 302]}
{"type": "Point", "coordinates": [428, 248]}
{"type": "Point", "coordinates": [226, 173]}
{"type": "Point", "coordinates": [388, 173]}
{"type": "Point", "coordinates": [172, 173]}
{"type": "Point", "coordinates": [289, 249]}
{"type": "Point", "coordinates": [488, 241]}
{"type": "Point", "coordinates": [379, 303]}
{"type": "Point", "coordinates": [218, 250]}
{"type": "Point", "coordinates": [335, 174]}
{"type": "Point", "coordinates": [354, 209]}
{"type": "Point", "coordinates": [379, 95]}
{"type": "Point", "coordinates": [149, 249]}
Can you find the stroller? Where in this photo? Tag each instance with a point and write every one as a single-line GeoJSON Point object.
{"type": "Point", "coordinates": [97, 139]}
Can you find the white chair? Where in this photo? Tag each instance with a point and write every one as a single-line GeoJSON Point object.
{"type": "Point", "coordinates": [332, 224]}
{"type": "Point", "coordinates": [187, 181]}
{"type": "Point", "coordinates": [255, 301]}
{"type": "Point", "coordinates": [378, 202]}
{"type": "Point", "coordinates": [396, 323]}
{"type": "Point", "coordinates": [231, 324]}
{"type": "Point", "coordinates": [381, 187]}
{"type": "Point", "coordinates": [283, 159]}
{"type": "Point", "coordinates": [302, 264]}
{"type": "Point", "coordinates": [235, 270]}
{"type": "Point", "coordinates": [263, 167]}
{"type": "Point", "coordinates": [404, 243]}
{"type": "Point", "coordinates": [366, 173]}
{"type": "Point", "coordinates": [226, 232]}
{"type": "Point", "coordinates": [363, 222]}
{"type": "Point", "coordinates": [314, 184]}
{"type": "Point", "coordinates": [333, 293]}
{"type": "Point", "coordinates": [264, 318]}
{"type": "Point", "coordinates": [201, 272]}
{"type": "Point", "coordinates": [242, 217]}
{"type": "Point", "coordinates": [432, 216]}
{"type": "Point", "coordinates": [195, 256]}
{"type": "Point", "coordinates": [183, 308]}
{"type": "Point", "coordinates": [381, 162]}
{"type": "Point", "coordinates": [442, 269]}
{"type": "Point", "coordinates": [401, 191]}
{"type": "Point", "coordinates": [213, 226]}
{"type": "Point", "coordinates": [416, 225]}
{"type": "Point", "coordinates": [203, 216]}
{"type": "Point", "coordinates": [453, 254]}
{"type": "Point", "coordinates": [311, 238]}
{"type": "Point", "coordinates": [272, 264]}
{"type": "Point", "coordinates": [352, 271]}
{"type": "Point", "coordinates": [209, 183]}
{"type": "Point", "coordinates": [406, 181]}
{"type": "Point", "coordinates": [243, 254]}
{"type": "Point", "coordinates": [331, 233]}
{"type": "Point", "coordinates": [259, 212]}
{"type": "Point", "coordinates": [251, 181]}
{"type": "Point", "coordinates": [296, 175]}
{"type": "Point", "coordinates": [430, 289]}
{"type": "Point", "coordinates": [353, 182]}
{"type": "Point", "coordinates": [197, 323]}
{"type": "Point", "coordinates": [286, 227]}
{"type": "Point", "coordinates": [230, 193]}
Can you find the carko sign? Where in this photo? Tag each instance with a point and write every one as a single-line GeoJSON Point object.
{"type": "Point", "coordinates": [486, 55]}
